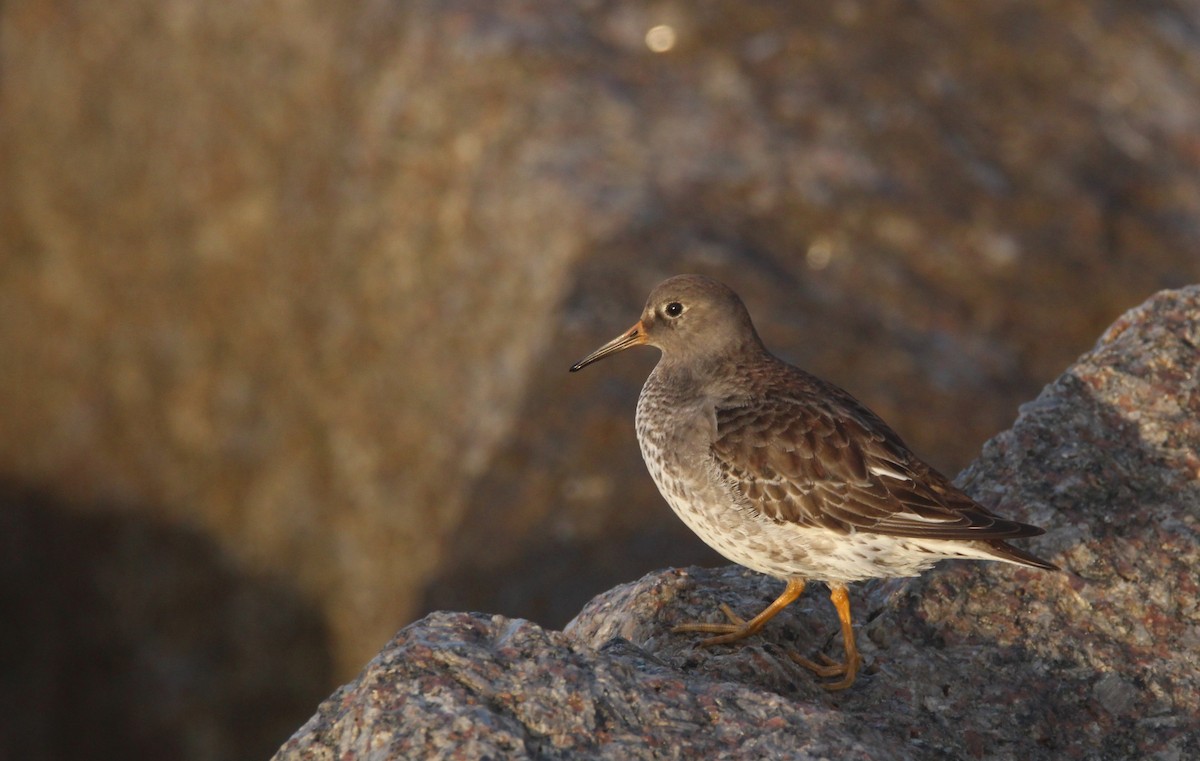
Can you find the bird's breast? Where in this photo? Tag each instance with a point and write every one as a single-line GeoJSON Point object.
{"type": "Point", "coordinates": [675, 434]}
{"type": "Point", "coordinates": [674, 427]}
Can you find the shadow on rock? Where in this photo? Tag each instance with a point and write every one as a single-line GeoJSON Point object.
{"type": "Point", "coordinates": [544, 579]}
{"type": "Point", "coordinates": [126, 638]}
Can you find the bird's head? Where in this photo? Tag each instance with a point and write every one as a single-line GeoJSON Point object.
{"type": "Point", "coordinates": [692, 319]}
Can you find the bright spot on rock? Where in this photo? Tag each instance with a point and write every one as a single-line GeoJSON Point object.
{"type": "Point", "coordinates": [819, 254]}
{"type": "Point", "coordinates": [1000, 250]}
{"type": "Point", "coordinates": [660, 38]}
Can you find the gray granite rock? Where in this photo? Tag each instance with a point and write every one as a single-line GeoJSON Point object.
{"type": "Point", "coordinates": [972, 660]}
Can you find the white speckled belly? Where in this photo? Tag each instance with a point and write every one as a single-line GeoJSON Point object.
{"type": "Point", "coordinates": [679, 460]}
{"type": "Point", "coordinates": [691, 485]}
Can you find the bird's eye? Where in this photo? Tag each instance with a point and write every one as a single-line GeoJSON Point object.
{"type": "Point", "coordinates": [674, 309]}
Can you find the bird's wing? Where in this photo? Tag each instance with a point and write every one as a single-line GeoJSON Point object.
{"type": "Point", "coordinates": [825, 460]}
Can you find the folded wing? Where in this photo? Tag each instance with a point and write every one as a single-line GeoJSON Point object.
{"type": "Point", "coordinates": [825, 460]}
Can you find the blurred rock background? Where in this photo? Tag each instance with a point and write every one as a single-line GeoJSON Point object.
{"type": "Point", "coordinates": [288, 293]}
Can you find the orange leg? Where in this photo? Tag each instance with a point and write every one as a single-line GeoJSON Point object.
{"type": "Point", "coordinates": [739, 628]}
{"type": "Point", "coordinates": [849, 669]}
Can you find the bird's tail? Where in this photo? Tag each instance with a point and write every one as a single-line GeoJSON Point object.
{"type": "Point", "coordinates": [1009, 554]}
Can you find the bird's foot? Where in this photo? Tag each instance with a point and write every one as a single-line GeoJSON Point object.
{"type": "Point", "coordinates": [831, 668]}
{"type": "Point", "coordinates": [737, 628]}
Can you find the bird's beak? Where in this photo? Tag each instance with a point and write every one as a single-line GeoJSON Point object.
{"type": "Point", "coordinates": [635, 336]}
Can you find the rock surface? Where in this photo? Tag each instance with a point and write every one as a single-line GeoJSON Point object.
{"type": "Point", "coordinates": [972, 660]}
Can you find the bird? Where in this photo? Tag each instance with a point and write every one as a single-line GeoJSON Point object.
{"type": "Point", "coordinates": [787, 474]}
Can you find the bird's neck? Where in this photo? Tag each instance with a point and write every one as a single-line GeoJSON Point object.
{"type": "Point", "coordinates": [710, 373]}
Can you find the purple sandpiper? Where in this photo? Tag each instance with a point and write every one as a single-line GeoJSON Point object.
{"type": "Point", "coordinates": [786, 474]}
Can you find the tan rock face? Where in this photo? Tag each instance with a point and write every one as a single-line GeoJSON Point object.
{"type": "Point", "coordinates": [270, 296]}
{"type": "Point", "coordinates": [302, 283]}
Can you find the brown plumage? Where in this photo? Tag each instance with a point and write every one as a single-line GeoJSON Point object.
{"type": "Point", "coordinates": [785, 473]}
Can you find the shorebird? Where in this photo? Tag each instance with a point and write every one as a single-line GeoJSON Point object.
{"type": "Point", "coordinates": [787, 474]}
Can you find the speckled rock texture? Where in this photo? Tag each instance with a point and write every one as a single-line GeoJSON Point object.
{"type": "Point", "coordinates": [972, 660]}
